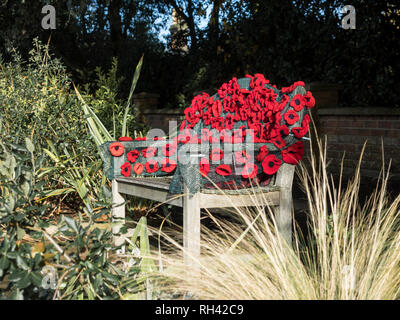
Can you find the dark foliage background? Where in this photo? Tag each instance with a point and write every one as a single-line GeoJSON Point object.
{"type": "Point", "coordinates": [286, 40]}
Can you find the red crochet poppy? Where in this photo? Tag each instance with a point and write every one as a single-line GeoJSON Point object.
{"type": "Point", "coordinates": [204, 167]}
{"type": "Point", "coordinates": [279, 142]}
{"type": "Point", "coordinates": [249, 171]}
{"type": "Point", "coordinates": [217, 108]}
{"type": "Point", "coordinates": [306, 121]}
{"type": "Point", "coordinates": [117, 149]}
{"type": "Point", "coordinates": [149, 152]}
{"type": "Point", "coordinates": [283, 130]}
{"type": "Point", "coordinates": [125, 139]}
{"type": "Point", "coordinates": [133, 155]}
{"type": "Point", "coordinates": [222, 91]}
{"type": "Point", "coordinates": [271, 164]}
{"type": "Point", "coordinates": [223, 170]}
{"type": "Point", "coordinates": [241, 157]}
{"type": "Point", "coordinates": [294, 153]}
{"type": "Point", "coordinates": [216, 154]}
{"type": "Point", "coordinates": [292, 87]}
{"type": "Point", "coordinates": [168, 165]}
{"type": "Point", "coordinates": [183, 138]}
{"type": "Point", "coordinates": [151, 166]}
{"type": "Point", "coordinates": [298, 102]}
{"type": "Point", "coordinates": [300, 132]}
{"type": "Point", "coordinates": [158, 138]}
{"type": "Point", "coordinates": [291, 117]}
{"type": "Point", "coordinates": [138, 168]}
{"type": "Point", "coordinates": [126, 169]}
{"type": "Point", "coordinates": [169, 149]}
{"type": "Point", "coordinates": [189, 114]}
{"type": "Point", "coordinates": [310, 100]}
{"type": "Point", "coordinates": [263, 151]}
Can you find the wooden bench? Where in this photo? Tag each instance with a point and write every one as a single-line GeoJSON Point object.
{"type": "Point", "coordinates": [278, 195]}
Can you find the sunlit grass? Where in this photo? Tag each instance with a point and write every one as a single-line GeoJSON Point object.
{"type": "Point", "coordinates": [352, 250]}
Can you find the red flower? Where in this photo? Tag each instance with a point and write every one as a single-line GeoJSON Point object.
{"type": "Point", "coordinates": [271, 164]}
{"type": "Point", "coordinates": [216, 154]}
{"type": "Point", "coordinates": [306, 121]}
{"type": "Point", "coordinates": [283, 130]}
{"type": "Point", "coordinates": [168, 165]}
{"type": "Point", "coordinates": [133, 155]}
{"type": "Point", "coordinates": [300, 132]}
{"type": "Point", "coordinates": [249, 171]}
{"type": "Point", "coordinates": [149, 152]}
{"type": "Point", "coordinates": [241, 157]}
{"type": "Point", "coordinates": [217, 108]}
{"type": "Point", "coordinates": [182, 138]}
{"type": "Point", "coordinates": [223, 170]}
{"type": "Point", "coordinates": [125, 139]}
{"type": "Point", "coordinates": [294, 153]}
{"type": "Point", "coordinates": [204, 167]}
{"type": "Point", "coordinates": [283, 102]}
{"type": "Point", "coordinates": [298, 102]}
{"type": "Point", "coordinates": [158, 138]}
{"type": "Point", "coordinates": [126, 169]}
{"type": "Point", "coordinates": [151, 166]}
{"type": "Point", "coordinates": [138, 168]}
{"type": "Point", "coordinates": [292, 87]}
{"type": "Point", "coordinates": [140, 139]}
{"type": "Point", "coordinates": [189, 114]}
{"type": "Point", "coordinates": [310, 100]}
{"type": "Point", "coordinates": [291, 117]}
{"type": "Point", "coordinates": [169, 149]}
{"type": "Point", "coordinates": [279, 142]}
{"type": "Point", "coordinates": [262, 153]}
{"type": "Point", "coordinates": [222, 91]}
{"type": "Point", "coordinates": [116, 149]}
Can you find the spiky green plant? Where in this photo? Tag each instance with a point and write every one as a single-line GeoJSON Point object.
{"type": "Point", "coordinates": [353, 251]}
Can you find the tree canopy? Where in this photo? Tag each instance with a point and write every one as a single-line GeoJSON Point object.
{"type": "Point", "coordinates": [284, 39]}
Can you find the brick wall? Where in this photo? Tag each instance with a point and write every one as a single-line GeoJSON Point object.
{"type": "Point", "coordinates": [348, 128]}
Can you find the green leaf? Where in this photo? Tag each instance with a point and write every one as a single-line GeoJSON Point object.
{"type": "Point", "coordinates": [24, 282]}
{"type": "Point", "coordinates": [133, 87]}
{"type": "Point", "coordinates": [17, 275]}
{"type": "Point", "coordinates": [20, 233]}
{"type": "Point", "coordinates": [71, 223]}
{"type": "Point", "coordinates": [36, 279]}
{"type": "Point", "coordinates": [4, 263]}
{"type": "Point", "coordinates": [22, 263]}
{"type": "Point", "coordinates": [29, 145]}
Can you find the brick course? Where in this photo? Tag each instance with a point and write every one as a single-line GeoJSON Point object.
{"type": "Point", "coordinates": [346, 133]}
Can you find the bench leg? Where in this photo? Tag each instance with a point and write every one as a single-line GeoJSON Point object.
{"type": "Point", "coordinates": [118, 214]}
{"type": "Point", "coordinates": [191, 229]}
{"type": "Point", "coordinates": [283, 214]}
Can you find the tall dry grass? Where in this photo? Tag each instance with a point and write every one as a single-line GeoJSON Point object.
{"type": "Point", "coordinates": [352, 250]}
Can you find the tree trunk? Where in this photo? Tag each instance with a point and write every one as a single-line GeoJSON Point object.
{"type": "Point", "coordinates": [213, 25]}
{"type": "Point", "coordinates": [115, 25]}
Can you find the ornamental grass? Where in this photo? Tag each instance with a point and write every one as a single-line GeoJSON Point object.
{"type": "Point", "coordinates": [351, 251]}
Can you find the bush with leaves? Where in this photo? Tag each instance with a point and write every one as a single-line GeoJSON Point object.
{"type": "Point", "coordinates": [21, 245]}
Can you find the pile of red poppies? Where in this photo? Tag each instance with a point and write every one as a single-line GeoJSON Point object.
{"type": "Point", "coordinates": [269, 113]}
{"type": "Point", "coordinates": [270, 117]}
